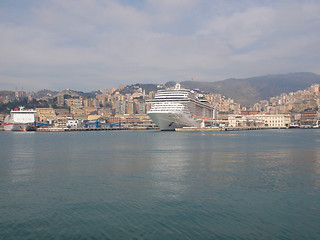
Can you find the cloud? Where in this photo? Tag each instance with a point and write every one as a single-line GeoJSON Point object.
{"type": "Point", "coordinates": [242, 28]}
{"type": "Point", "coordinates": [94, 44]}
{"type": "Point", "coordinates": [269, 39]}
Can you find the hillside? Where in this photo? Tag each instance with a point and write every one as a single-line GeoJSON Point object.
{"type": "Point", "coordinates": [249, 91]}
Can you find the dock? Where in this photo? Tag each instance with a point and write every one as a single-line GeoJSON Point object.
{"type": "Point", "coordinates": [219, 129]}
{"type": "Point", "coordinates": [77, 129]}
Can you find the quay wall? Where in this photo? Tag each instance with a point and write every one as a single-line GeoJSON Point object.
{"type": "Point", "coordinates": [218, 129]}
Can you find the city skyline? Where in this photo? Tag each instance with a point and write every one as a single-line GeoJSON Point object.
{"type": "Point", "coordinates": [86, 45]}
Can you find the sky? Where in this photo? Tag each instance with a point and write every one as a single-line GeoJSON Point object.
{"type": "Point", "coordinates": [98, 44]}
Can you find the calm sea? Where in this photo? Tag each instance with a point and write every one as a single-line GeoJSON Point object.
{"type": "Point", "coordinates": [160, 185]}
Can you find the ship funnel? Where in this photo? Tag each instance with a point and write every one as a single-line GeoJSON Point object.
{"type": "Point", "coordinates": [178, 86]}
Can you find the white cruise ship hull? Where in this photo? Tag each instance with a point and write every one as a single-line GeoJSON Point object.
{"type": "Point", "coordinates": [177, 108]}
{"type": "Point", "coordinates": [169, 121]}
{"type": "Point", "coordinates": [19, 127]}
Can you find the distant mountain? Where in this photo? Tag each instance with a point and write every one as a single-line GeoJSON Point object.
{"type": "Point", "coordinates": [44, 93]}
{"type": "Point", "coordinates": [5, 93]}
{"type": "Point", "coordinates": [73, 93]}
{"type": "Point", "coordinates": [145, 86]}
{"type": "Point", "coordinates": [249, 91]}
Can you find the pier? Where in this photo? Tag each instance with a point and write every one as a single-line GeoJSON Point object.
{"type": "Point", "coordinates": [219, 129]}
{"type": "Point", "coordinates": [77, 129]}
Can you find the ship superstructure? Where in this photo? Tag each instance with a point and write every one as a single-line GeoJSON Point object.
{"type": "Point", "coordinates": [20, 120]}
{"type": "Point", "coordinates": [176, 108]}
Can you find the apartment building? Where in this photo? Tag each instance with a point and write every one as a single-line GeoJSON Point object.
{"type": "Point", "coordinates": [44, 114]}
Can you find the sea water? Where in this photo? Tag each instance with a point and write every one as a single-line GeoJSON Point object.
{"type": "Point", "coordinates": [261, 184]}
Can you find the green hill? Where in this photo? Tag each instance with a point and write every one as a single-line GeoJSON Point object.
{"type": "Point", "coordinates": [249, 91]}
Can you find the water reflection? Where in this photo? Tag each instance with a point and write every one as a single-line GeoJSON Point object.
{"type": "Point", "coordinates": [169, 185]}
{"type": "Point", "coordinates": [21, 156]}
{"type": "Point", "coordinates": [235, 160]}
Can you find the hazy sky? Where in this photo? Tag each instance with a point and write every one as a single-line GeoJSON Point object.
{"type": "Point", "coordinates": [98, 44]}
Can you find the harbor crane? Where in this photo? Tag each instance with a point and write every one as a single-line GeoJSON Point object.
{"type": "Point", "coordinates": [95, 123]}
{"type": "Point", "coordinates": [116, 124]}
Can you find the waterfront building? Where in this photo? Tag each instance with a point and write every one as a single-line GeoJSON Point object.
{"type": "Point", "coordinates": [260, 120]}
{"type": "Point", "coordinates": [60, 122]}
{"type": "Point", "coordinates": [74, 123]}
{"type": "Point", "coordinates": [274, 120]}
{"type": "Point", "coordinates": [113, 119]}
{"type": "Point", "coordinates": [307, 118]}
{"type": "Point", "coordinates": [244, 121]}
{"type": "Point", "coordinates": [45, 114]}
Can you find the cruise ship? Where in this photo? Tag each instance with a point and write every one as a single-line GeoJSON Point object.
{"type": "Point", "coordinates": [177, 108]}
{"type": "Point", "coordinates": [20, 120]}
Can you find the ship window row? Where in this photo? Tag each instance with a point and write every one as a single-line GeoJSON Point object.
{"type": "Point", "coordinates": [175, 92]}
{"type": "Point", "coordinates": [166, 108]}
{"type": "Point", "coordinates": [168, 103]}
{"type": "Point", "coordinates": [171, 96]}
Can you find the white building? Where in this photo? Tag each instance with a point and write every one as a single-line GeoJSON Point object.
{"type": "Point", "coordinates": [275, 120]}
{"type": "Point", "coordinates": [260, 120]}
{"type": "Point", "coordinates": [74, 123]}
